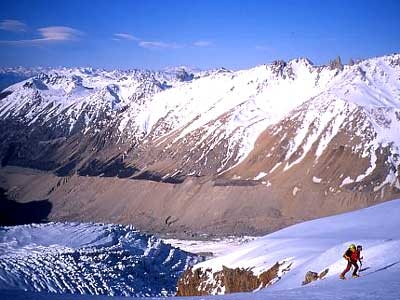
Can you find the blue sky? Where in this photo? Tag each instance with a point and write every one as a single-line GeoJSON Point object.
{"type": "Point", "coordinates": [206, 34]}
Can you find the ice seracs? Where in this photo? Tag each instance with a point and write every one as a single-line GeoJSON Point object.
{"type": "Point", "coordinates": [94, 259]}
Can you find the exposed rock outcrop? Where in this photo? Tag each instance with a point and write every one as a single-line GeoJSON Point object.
{"type": "Point", "coordinates": [199, 282]}
{"type": "Point", "coordinates": [313, 276]}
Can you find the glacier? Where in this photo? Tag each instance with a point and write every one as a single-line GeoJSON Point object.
{"type": "Point", "coordinates": [89, 258]}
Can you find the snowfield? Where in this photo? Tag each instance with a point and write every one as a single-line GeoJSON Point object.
{"type": "Point", "coordinates": [315, 245]}
{"type": "Point", "coordinates": [319, 244]}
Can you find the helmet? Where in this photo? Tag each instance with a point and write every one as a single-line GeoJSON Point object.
{"type": "Point", "coordinates": [352, 246]}
{"type": "Point", "coordinates": [359, 247]}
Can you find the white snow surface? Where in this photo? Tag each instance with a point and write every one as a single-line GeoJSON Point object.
{"type": "Point", "coordinates": [83, 258]}
{"type": "Point", "coordinates": [319, 244]}
{"type": "Point", "coordinates": [214, 247]}
{"type": "Point", "coordinates": [309, 246]}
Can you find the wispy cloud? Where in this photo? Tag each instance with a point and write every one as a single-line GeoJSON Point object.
{"type": "Point", "coordinates": [146, 44]}
{"type": "Point", "coordinates": [159, 45]}
{"type": "Point", "coordinates": [13, 25]}
{"type": "Point", "coordinates": [202, 43]}
{"type": "Point", "coordinates": [60, 33]}
{"type": "Point", "coordinates": [125, 36]}
{"type": "Point", "coordinates": [49, 35]}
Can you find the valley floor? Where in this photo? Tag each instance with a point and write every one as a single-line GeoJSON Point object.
{"type": "Point", "coordinates": [189, 210]}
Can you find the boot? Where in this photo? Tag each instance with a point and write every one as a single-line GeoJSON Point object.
{"type": "Point", "coordinates": [355, 276]}
{"type": "Point", "coordinates": [342, 277]}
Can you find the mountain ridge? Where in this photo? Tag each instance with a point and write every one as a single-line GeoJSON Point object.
{"type": "Point", "coordinates": [301, 131]}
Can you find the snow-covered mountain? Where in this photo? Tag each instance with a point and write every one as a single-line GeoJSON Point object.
{"type": "Point", "coordinates": [94, 259]}
{"type": "Point", "coordinates": [10, 76]}
{"type": "Point", "coordinates": [318, 139]}
{"type": "Point", "coordinates": [205, 124]}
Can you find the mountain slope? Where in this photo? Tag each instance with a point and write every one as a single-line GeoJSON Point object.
{"type": "Point", "coordinates": [316, 140]}
{"type": "Point", "coordinates": [310, 246]}
{"type": "Point", "coordinates": [209, 123]}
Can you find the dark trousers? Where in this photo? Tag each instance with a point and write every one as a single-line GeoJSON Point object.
{"type": "Point", "coordinates": [349, 264]}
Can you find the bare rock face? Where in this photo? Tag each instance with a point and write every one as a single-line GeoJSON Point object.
{"type": "Point", "coordinates": [313, 276]}
{"type": "Point", "coordinates": [201, 282]}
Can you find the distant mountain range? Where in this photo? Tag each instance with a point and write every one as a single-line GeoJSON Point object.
{"type": "Point", "coordinates": [298, 130]}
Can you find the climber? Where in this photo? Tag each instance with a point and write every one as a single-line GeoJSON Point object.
{"type": "Point", "coordinates": [352, 256]}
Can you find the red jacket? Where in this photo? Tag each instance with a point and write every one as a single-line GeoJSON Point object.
{"type": "Point", "coordinates": [352, 255]}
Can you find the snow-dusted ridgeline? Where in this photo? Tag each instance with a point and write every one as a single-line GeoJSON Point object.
{"type": "Point", "coordinates": [211, 120]}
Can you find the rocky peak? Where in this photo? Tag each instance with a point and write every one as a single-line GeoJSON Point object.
{"type": "Point", "coordinates": [336, 64]}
